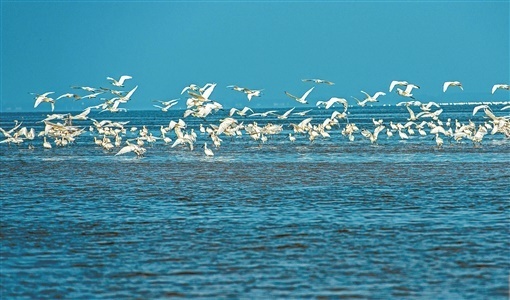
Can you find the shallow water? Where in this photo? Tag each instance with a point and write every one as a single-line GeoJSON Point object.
{"type": "Point", "coordinates": [400, 219]}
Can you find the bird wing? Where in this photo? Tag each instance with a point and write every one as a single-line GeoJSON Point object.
{"type": "Point", "coordinates": [288, 112]}
{"type": "Point", "coordinates": [446, 85]}
{"type": "Point", "coordinates": [128, 96]}
{"type": "Point", "coordinates": [38, 101]}
{"type": "Point", "coordinates": [409, 88]}
{"type": "Point", "coordinates": [307, 93]}
{"type": "Point", "coordinates": [396, 82]}
{"type": "Point", "coordinates": [290, 95]}
{"type": "Point", "coordinates": [378, 129]}
{"type": "Point", "coordinates": [124, 78]}
{"type": "Point", "coordinates": [379, 94]}
{"type": "Point", "coordinates": [475, 110]}
{"type": "Point", "coordinates": [207, 92]}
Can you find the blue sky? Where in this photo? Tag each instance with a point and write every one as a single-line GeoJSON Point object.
{"type": "Point", "coordinates": [167, 45]}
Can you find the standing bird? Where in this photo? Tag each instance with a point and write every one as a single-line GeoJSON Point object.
{"type": "Point", "coordinates": [448, 84]}
{"type": "Point", "coordinates": [207, 151]}
{"type": "Point", "coordinates": [121, 80]}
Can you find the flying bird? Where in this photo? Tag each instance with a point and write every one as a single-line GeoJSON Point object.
{"type": "Point", "coordinates": [407, 91]}
{"type": "Point", "coordinates": [318, 81]}
{"type": "Point", "coordinates": [302, 99]}
{"type": "Point", "coordinates": [121, 80]}
{"type": "Point", "coordinates": [44, 98]}
{"type": "Point", "coordinates": [500, 86]}
{"type": "Point", "coordinates": [448, 84]}
{"type": "Point", "coordinates": [332, 101]}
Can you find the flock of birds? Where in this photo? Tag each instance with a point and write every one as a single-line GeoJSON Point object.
{"type": "Point", "coordinates": [61, 129]}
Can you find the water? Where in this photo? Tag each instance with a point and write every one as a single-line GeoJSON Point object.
{"type": "Point", "coordinates": [329, 219]}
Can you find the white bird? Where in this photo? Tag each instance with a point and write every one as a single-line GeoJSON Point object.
{"type": "Point", "coordinates": [397, 82]}
{"type": "Point", "coordinates": [132, 148]}
{"type": "Point", "coordinates": [46, 144]}
{"type": "Point", "coordinates": [207, 151]}
{"type": "Point", "coordinates": [372, 136]}
{"type": "Point", "coordinates": [128, 95]}
{"type": "Point", "coordinates": [439, 141]}
{"type": "Point", "coordinates": [500, 86]}
{"type": "Point", "coordinates": [478, 107]}
{"type": "Point", "coordinates": [166, 104]}
{"type": "Point", "coordinates": [192, 87]}
{"type": "Point", "coordinates": [44, 98]}
{"type": "Point", "coordinates": [368, 98]}
{"type": "Point", "coordinates": [302, 113]}
{"type": "Point", "coordinates": [86, 88]}
{"type": "Point", "coordinates": [447, 84]}
{"type": "Point", "coordinates": [90, 96]}
{"type": "Point", "coordinates": [407, 91]}
{"type": "Point", "coordinates": [302, 99]}
{"type": "Point", "coordinates": [318, 81]}
{"type": "Point", "coordinates": [426, 107]}
{"type": "Point", "coordinates": [264, 114]}
{"type": "Point", "coordinates": [121, 80]}
{"type": "Point", "coordinates": [286, 114]}
{"type": "Point", "coordinates": [412, 116]}
{"type": "Point", "coordinates": [252, 93]}
{"type": "Point", "coordinates": [69, 95]}
{"type": "Point", "coordinates": [242, 113]}
{"type": "Point", "coordinates": [332, 101]}
{"type": "Point", "coordinates": [374, 97]}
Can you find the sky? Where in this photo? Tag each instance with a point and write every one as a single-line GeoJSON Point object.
{"type": "Point", "coordinates": [271, 45]}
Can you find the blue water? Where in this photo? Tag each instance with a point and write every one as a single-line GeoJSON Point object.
{"type": "Point", "coordinates": [328, 219]}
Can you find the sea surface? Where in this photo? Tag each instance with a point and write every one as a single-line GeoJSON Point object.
{"type": "Point", "coordinates": [327, 219]}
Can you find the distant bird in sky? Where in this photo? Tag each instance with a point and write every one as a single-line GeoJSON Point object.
{"type": "Point", "coordinates": [448, 84]}
{"type": "Point", "coordinates": [318, 81]}
{"type": "Point", "coordinates": [121, 80]}
{"type": "Point", "coordinates": [301, 99]}
{"type": "Point", "coordinates": [500, 86]}
{"type": "Point", "coordinates": [87, 88]}
{"type": "Point", "coordinates": [90, 96]}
